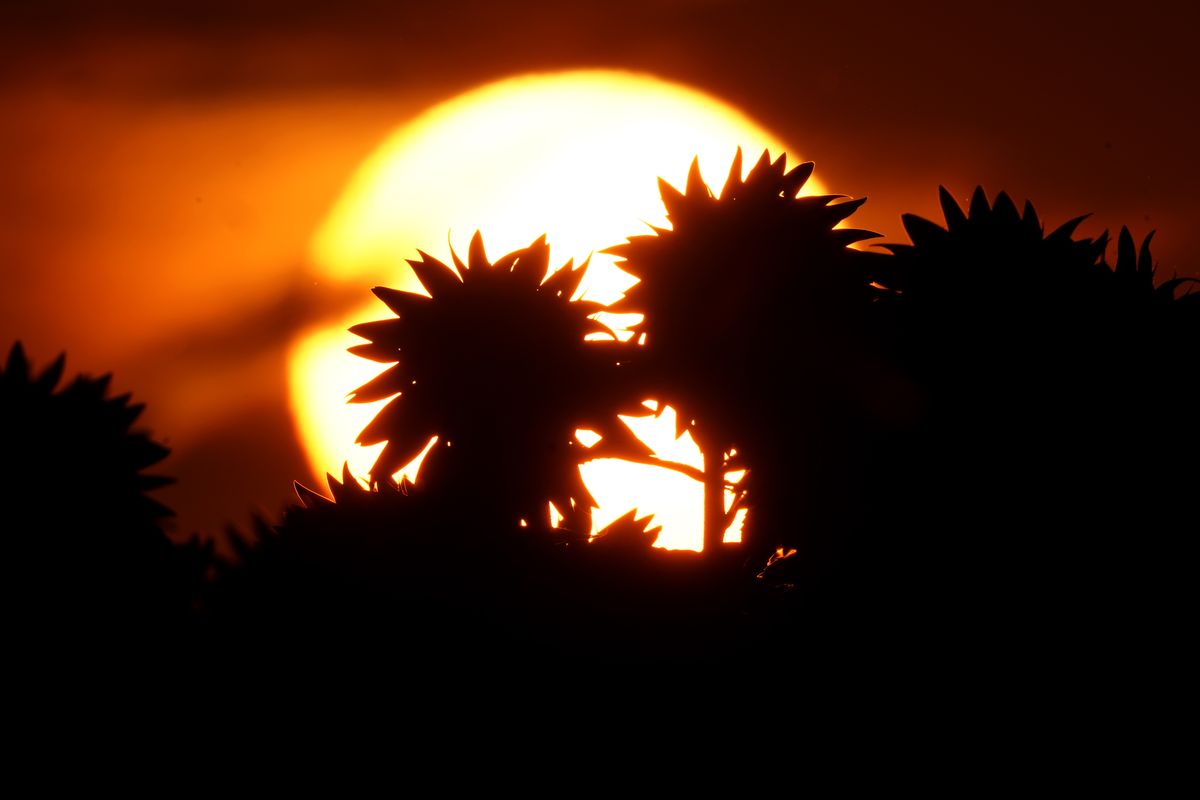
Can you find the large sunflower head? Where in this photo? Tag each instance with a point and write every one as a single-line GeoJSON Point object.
{"type": "Point", "coordinates": [743, 285]}
{"type": "Point", "coordinates": [495, 362]}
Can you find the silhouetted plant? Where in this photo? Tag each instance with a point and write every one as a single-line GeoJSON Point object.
{"type": "Point", "coordinates": [1038, 366]}
{"type": "Point", "coordinates": [991, 293]}
{"type": "Point", "coordinates": [83, 534]}
{"type": "Point", "coordinates": [495, 364]}
{"type": "Point", "coordinates": [368, 562]}
{"type": "Point", "coordinates": [990, 280]}
{"type": "Point", "coordinates": [1134, 273]}
{"type": "Point", "coordinates": [84, 432]}
{"type": "Point", "coordinates": [750, 305]}
{"type": "Point", "coordinates": [1043, 368]}
{"type": "Point", "coordinates": [628, 533]}
{"type": "Point", "coordinates": [384, 568]}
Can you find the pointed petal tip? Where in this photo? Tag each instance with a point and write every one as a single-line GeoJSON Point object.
{"type": "Point", "coordinates": [308, 498]}
{"type": "Point", "coordinates": [696, 186]}
{"type": "Point", "coordinates": [735, 172]}
{"type": "Point", "coordinates": [951, 210]}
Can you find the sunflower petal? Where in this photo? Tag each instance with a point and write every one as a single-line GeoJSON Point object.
{"type": "Point", "coordinates": [309, 498]}
{"type": "Point", "coordinates": [849, 236]}
{"type": "Point", "coordinates": [152, 508]}
{"type": "Point", "coordinates": [760, 168]}
{"type": "Point", "coordinates": [374, 352]}
{"type": "Point", "coordinates": [435, 276]}
{"type": "Point", "coordinates": [1005, 210]}
{"type": "Point", "coordinates": [1126, 254]}
{"type": "Point", "coordinates": [734, 178]}
{"type": "Point", "coordinates": [127, 413]}
{"type": "Point", "coordinates": [533, 262]}
{"type": "Point", "coordinates": [18, 364]}
{"type": "Point", "coordinates": [382, 332]}
{"type": "Point", "coordinates": [476, 256]}
{"type": "Point", "coordinates": [951, 210]}
{"type": "Point", "coordinates": [794, 181]}
{"type": "Point", "coordinates": [696, 187]}
{"type": "Point", "coordinates": [672, 198]}
{"type": "Point", "coordinates": [1029, 218]}
{"type": "Point", "coordinates": [565, 281]}
{"type": "Point", "coordinates": [979, 204]}
{"type": "Point", "coordinates": [400, 302]}
{"type": "Point", "coordinates": [921, 231]}
{"type": "Point", "coordinates": [1067, 229]}
{"type": "Point", "coordinates": [841, 211]}
{"type": "Point", "coordinates": [387, 383]}
{"type": "Point", "coordinates": [1145, 260]}
{"type": "Point", "coordinates": [148, 454]}
{"type": "Point", "coordinates": [399, 452]}
{"type": "Point", "coordinates": [458, 262]}
{"type": "Point", "coordinates": [148, 483]}
{"type": "Point", "coordinates": [52, 374]}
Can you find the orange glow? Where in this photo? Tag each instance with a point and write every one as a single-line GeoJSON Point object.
{"type": "Point", "coordinates": [575, 155]}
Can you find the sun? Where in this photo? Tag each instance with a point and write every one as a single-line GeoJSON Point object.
{"type": "Point", "coordinates": [574, 155]}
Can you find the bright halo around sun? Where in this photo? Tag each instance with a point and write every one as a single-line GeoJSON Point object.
{"type": "Point", "coordinates": [575, 155]}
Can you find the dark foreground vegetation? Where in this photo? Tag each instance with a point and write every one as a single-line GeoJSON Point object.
{"type": "Point", "coordinates": [978, 444]}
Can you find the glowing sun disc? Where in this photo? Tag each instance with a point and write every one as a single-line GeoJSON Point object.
{"type": "Point", "coordinates": [575, 155]}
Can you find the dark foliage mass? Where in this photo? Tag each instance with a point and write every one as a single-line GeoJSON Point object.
{"type": "Point", "coordinates": [1043, 476]}
{"type": "Point", "coordinates": [973, 442]}
{"type": "Point", "coordinates": [384, 570]}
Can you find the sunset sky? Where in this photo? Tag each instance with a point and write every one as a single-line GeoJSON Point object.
{"type": "Point", "coordinates": [163, 172]}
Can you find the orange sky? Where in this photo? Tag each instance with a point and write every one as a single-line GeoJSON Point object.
{"type": "Point", "coordinates": [162, 172]}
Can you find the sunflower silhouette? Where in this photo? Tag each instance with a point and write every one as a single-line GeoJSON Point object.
{"type": "Point", "coordinates": [991, 303]}
{"type": "Point", "coordinates": [495, 362]}
{"type": "Point", "coordinates": [83, 431]}
{"type": "Point", "coordinates": [1046, 372]}
{"type": "Point", "coordinates": [81, 525]}
{"type": "Point", "coordinates": [992, 281]}
{"type": "Point", "coordinates": [750, 302]}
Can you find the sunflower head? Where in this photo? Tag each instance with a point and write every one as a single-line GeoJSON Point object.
{"type": "Point", "coordinates": [82, 434]}
{"type": "Point", "coordinates": [495, 362]}
{"type": "Point", "coordinates": [85, 544]}
{"type": "Point", "coordinates": [743, 288]}
{"type": "Point", "coordinates": [1133, 274]}
{"type": "Point", "coordinates": [993, 252]}
{"type": "Point", "coordinates": [992, 284]}
{"type": "Point", "coordinates": [726, 261]}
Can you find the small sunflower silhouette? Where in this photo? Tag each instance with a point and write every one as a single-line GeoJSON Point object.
{"type": "Point", "coordinates": [80, 434]}
{"type": "Point", "coordinates": [89, 554]}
